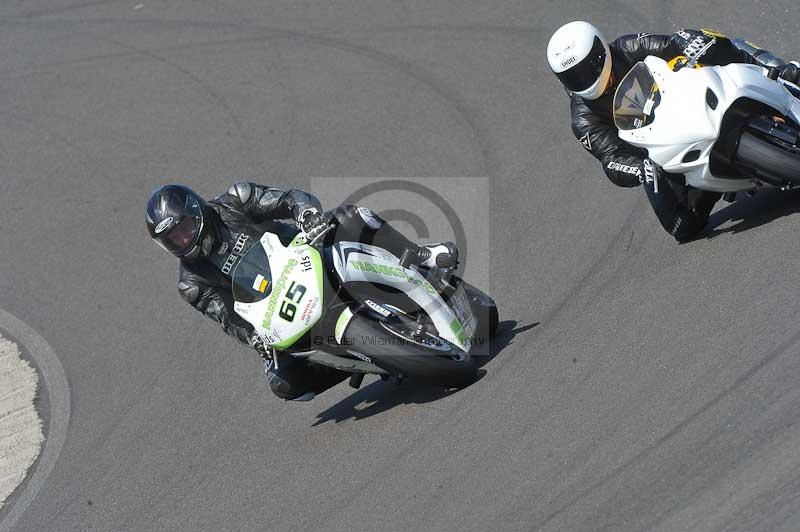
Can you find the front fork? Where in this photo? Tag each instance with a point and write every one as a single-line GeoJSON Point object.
{"type": "Point", "coordinates": [270, 359]}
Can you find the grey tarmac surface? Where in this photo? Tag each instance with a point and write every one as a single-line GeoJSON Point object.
{"type": "Point", "coordinates": [658, 392]}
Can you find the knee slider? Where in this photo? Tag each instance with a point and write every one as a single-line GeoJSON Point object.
{"type": "Point", "coordinates": [280, 386]}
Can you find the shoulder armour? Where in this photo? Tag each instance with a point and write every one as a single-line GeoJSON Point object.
{"type": "Point", "coordinates": [241, 190]}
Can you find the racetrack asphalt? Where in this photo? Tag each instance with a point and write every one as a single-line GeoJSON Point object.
{"type": "Point", "coordinates": [638, 384]}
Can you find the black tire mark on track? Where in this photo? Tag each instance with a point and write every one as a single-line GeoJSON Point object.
{"type": "Point", "coordinates": [291, 127]}
{"type": "Point", "coordinates": [617, 241]}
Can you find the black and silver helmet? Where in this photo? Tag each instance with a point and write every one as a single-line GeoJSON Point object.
{"type": "Point", "coordinates": [177, 220]}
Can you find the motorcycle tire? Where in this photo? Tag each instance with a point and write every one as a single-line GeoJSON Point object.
{"type": "Point", "coordinates": [773, 157]}
{"type": "Point", "coordinates": [446, 366]}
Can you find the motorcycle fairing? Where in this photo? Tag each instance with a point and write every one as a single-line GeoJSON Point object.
{"type": "Point", "coordinates": [686, 122]}
{"type": "Point", "coordinates": [359, 262]}
{"type": "Point", "coordinates": [295, 303]}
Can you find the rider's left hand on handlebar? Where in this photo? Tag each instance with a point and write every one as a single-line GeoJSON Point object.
{"type": "Point", "coordinates": [312, 223]}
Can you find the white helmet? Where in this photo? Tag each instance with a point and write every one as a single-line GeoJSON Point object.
{"type": "Point", "coordinates": [579, 56]}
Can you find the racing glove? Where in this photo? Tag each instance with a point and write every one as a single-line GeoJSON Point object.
{"type": "Point", "coordinates": [790, 72]}
{"type": "Point", "coordinates": [258, 344]}
{"type": "Point", "coordinates": [650, 172]}
{"type": "Point", "coordinates": [311, 222]}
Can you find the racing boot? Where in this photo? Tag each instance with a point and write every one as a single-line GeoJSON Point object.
{"type": "Point", "coordinates": [443, 256]}
{"type": "Point", "coordinates": [295, 380]}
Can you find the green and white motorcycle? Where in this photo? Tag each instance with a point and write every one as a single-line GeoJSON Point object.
{"type": "Point", "coordinates": [356, 307]}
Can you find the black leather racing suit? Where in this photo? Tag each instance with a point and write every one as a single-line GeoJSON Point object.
{"type": "Point", "coordinates": [682, 210]}
{"type": "Point", "coordinates": [240, 217]}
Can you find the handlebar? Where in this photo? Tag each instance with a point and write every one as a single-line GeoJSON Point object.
{"type": "Point", "coordinates": [318, 238]}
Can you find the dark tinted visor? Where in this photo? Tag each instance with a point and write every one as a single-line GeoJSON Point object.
{"type": "Point", "coordinates": [585, 73]}
{"type": "Point", "coordinates": [182, 237]}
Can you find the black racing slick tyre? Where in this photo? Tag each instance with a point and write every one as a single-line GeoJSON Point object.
{"type": "Point", "coordinates": [443, 364]}
{"type": "Point", "coordinates": [772, 157]}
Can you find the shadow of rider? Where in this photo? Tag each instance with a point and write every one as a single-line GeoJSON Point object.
{"type": "Point", "coordinates": [748, 213]}
{"type": "Point", "coordinates": [380, 396]}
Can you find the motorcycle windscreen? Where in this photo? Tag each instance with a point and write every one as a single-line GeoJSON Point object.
{"type": "Point", "coordinates": [252, 278]}
{"type": "Point", "coordinates": [636, 99]}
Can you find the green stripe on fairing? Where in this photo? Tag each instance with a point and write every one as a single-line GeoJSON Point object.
{"type": "Point", "coordinates": [341, 324]}
{"type": "Point", "coordinates": [393, 271]}
{"type": "Point", "coordinates": [458, 330]}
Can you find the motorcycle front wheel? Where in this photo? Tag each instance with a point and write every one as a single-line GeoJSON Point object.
{"type": "Point", "coordinates": [770, 156]}
{"type": "Point", "coordinates": [392, 346]}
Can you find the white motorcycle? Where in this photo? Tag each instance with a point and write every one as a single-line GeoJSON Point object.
{"type": "Point", "coordinates": [726, 128]}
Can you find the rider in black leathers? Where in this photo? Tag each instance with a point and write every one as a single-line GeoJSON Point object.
{"type": "Point", "coordinates": [682, 210]}
{"type": "Point", "coordinates": [211, 237]}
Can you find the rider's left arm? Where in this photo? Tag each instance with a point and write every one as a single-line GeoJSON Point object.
{"type": "Point", "coordinates": [636, 47]}
{"type": "Point", "coordinates": [724, 51]}
{"type": "Point", "coordinates": [758, 56]}
{"type": "Point", "coordinates": [262, 203]}
{"type": "Point", "coordinates": [714, 48]}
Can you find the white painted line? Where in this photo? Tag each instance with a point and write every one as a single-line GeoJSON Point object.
{"type": "Point", "coordinates": [55, 382]}
{"type": "Point", "coordinates": [20, 425]}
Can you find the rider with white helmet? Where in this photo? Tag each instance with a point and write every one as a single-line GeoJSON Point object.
{"type": "Point", "coordinates": [590, 68]}
{"type": "Point", "coordinates": [579, 56]}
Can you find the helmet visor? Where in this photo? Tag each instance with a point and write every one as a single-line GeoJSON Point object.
{"type": "Point", "coordinates": [585, 73]}
{"type": "Point", "coordinates": [180, 239]}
